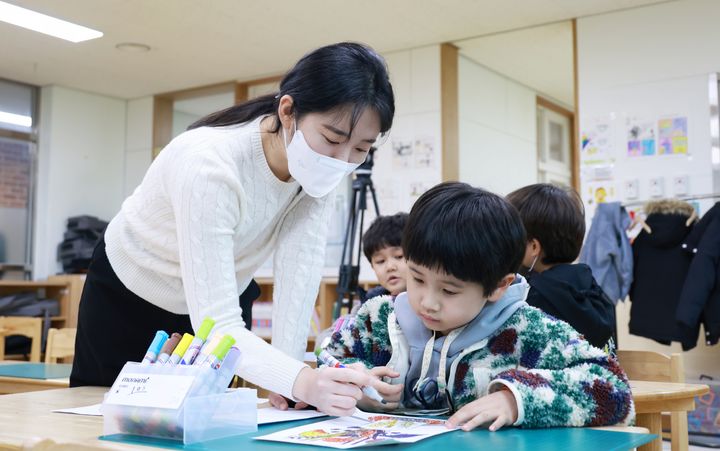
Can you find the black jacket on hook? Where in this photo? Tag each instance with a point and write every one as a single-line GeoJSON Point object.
{"type": "Point", "coordinates": [570, 293]}
{"type": "Point", "coordinates": [700, 297]}
{"type": "Point", "coordinates": [660, 267]}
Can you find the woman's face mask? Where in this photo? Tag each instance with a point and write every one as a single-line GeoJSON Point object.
{"type": "Point", "coordinates": [317, 174]}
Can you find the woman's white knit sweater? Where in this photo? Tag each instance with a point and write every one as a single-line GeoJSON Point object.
{"type": "Point", "coordinates": [207, 214]}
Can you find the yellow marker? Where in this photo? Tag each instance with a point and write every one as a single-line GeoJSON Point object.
{"type": "Point", "coordinates": [180, 349]}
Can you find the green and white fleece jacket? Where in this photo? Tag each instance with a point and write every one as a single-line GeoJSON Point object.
{"type": "Point", "coordinates": [557, 378]}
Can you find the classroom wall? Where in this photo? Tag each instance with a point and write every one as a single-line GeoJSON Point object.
{"type": "Point", "coordinates": [408, 163]}
{"type": "Point", "coordinates": [80, 165]}
{"type": "Point", "coordinates": [138, 142]}
{"type": "Point", "coordinates": [647, 63]}
{"type": "Point", "coordinates": [498, 129]}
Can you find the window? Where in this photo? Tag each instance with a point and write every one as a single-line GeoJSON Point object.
{"type": "Point", "coordinates": [17, 175]}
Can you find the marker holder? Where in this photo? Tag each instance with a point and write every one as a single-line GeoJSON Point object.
{"type": "Point", "coordinates": [187, 403]}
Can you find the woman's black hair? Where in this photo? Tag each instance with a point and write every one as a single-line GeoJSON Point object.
{"type": "Point", "coordinates": [554, 216]}
{"type": "Point", "coordinates": [466, 232]}
{"type": "Point", "coordinates": [331, 77]}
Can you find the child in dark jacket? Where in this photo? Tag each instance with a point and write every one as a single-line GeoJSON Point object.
{"type": "Point", "coordinates": [462, 340]}
{"type": "Point", "coordinates": [554, 221]}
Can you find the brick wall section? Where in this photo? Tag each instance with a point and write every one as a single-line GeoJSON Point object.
{"type": "Point", "coordinates": [14, 174]}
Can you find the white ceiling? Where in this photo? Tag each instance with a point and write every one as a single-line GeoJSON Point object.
{"type": "Point", "coordinates": [198, 43]}
{"type": "Point", "coordinates": [540, 58]}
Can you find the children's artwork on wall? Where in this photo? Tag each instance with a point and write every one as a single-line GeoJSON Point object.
{"type": "Point", "coordinates": [640, 138]}
{"type": "Point", "coordinates": [595, 143]}
{"type": "Point", "coordinates": [599, 192]}
{"type": "Point", "coordinates": [402, 151]}
{"type": "Point", "coordinates": [673, 136]}
{"type": "Point", "coordinates": [424, 152]}
{"type": "Point", "coordinates": [418, 188]}
{"type": "Point", "coordinates": [362, 429]}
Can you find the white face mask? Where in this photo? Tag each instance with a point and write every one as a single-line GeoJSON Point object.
{"type": "Point", "coordinates": [317, 174]}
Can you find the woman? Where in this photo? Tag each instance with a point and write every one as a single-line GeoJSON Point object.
{"type": "Point", "coordinates": [241, 184]}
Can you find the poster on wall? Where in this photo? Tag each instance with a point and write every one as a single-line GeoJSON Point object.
{"type": "Point", "coordinates": [640, 138]}
{"type": "Point", "coordinates": [424, 152]}
{"type": "Point", "coordinates": [595, 144]}
{"type": "Point", "coordinates": [673, 136]}
{"type": "Point", "coordinates": [599, 192]}
{"type": "Point", "coordinates": [402, 152]}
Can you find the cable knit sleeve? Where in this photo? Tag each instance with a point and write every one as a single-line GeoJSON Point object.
{"type": "Point", "coordinates": [297, 267]}
{"type": "Point", "coordinates": [207, 199]}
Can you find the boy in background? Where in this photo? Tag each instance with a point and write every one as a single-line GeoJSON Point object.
{"type": "Point", "coordinates": [554, 222]}
{"type": "Point", "coordinates": [382, 247]}
{"type": "Point", "coordinates": [462, 340]}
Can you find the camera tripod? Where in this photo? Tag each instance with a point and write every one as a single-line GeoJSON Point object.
{"type": "Point", "coordinates": [348, 286]}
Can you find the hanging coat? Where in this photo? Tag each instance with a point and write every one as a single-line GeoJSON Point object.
{"type": "Point", "coordinates": [607, 250]}
{"type": "Point", "coordinates": [700, 297]}
{"type": "Point", "coordinates": [660, 266]}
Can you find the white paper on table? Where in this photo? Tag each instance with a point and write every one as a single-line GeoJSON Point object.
{"type": "Point", "coordinates": [273, 415]}
{"type": "Point", "coordinates": [93, 410]}
{"type": "Point", "coordinates": [362, 429]}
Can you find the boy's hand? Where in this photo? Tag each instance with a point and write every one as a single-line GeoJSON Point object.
{"type": "Point", "coordinates": [500, 408]}
{"type": "Point", "coordinates": [390, 393]}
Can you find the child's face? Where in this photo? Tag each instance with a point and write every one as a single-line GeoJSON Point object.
{"type": "Point", "coordinates": [390, 268]}
{"type": "Point", "coordinates": [442, 301]}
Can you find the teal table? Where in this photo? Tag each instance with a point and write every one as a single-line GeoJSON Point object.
{"type": "Point", "coordinates": [24, 377]}
{"type": "Point", "coordinates": [506, 439]}
{"type": "Point", "coordinates": [36, 370]}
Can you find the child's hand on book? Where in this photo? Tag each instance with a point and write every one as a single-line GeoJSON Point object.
{"type": "Point", "coordinates": [497, 409]}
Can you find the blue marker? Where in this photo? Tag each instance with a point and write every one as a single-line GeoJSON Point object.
{"type": "Point", "coordinates": [152, 352]}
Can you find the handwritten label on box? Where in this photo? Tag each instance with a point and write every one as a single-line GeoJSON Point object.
{"type": "Point", "coordinates": [150, 390]}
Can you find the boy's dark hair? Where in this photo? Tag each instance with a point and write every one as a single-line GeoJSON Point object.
{"type": "Point", "coordinates": [469, 233]}
{"type": "Point", "coordinates": [554, 216]}
{"type": "Point", "coordinates": [385, 231]}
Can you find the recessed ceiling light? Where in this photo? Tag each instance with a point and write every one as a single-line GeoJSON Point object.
{"type": "Point", "coordinates": [15, 119]}
{"type": "Point", "coordinates": [133, 47]}
{"type": "Point", "coordinates": [42, 23]}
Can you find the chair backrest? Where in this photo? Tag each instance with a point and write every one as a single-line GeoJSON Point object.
{"type": "Point", "coordinates": [652, 366]}
{"type": "Point", "coordinates": [60, 344]}
{"type": "Point", "coordinates": [22, 325]}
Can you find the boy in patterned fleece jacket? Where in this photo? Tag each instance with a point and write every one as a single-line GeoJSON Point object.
{"type": "Point", "coordinates": [463, 341]}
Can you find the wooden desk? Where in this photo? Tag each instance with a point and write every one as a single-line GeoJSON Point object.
{"type": "Point", "coordinates": [653, 398]}
{"type": "Point", "coordinates": [29, 416]}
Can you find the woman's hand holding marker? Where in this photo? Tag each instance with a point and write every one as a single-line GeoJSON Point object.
{"type": "Point", "coordinates": [334, 391]}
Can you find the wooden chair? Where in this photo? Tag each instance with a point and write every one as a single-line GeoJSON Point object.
{"type": "Point", "coordinates": [60, 344]}
{"type": "Point", "coordinates": [25, 326]}
{"type": "Point", "coordinates": [653, 366]}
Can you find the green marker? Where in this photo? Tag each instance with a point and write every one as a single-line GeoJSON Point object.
{"type": "Point", "coordinates": [216, 357]}
{"type": "Point", "coordinates": [194, 348]}
{"type": "Point", "coordinates": [180, 349]}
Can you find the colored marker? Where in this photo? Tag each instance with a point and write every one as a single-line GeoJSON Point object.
{"type": "Point", "coordinates": [218, 355]}
{"type": "Point", "coordinates": [168, 348]}
{"type": "Point", "coordinates": [180, 349]}
{"type": "Point", "coordinates": [207, 349]}
{"type": "Point", "coordinates": [154, 349]}
{"type": "Point", "coordinates": [329, 360]}
{"type": "Point", "coordinates": [194, 348]}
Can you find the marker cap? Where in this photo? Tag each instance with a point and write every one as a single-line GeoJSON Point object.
{"type": "Point", "coordinates": [183, 345]}
{"type": "Point", "coordinates": [223, 347]}
{"type": "Point", "coordinates": [160, 338]}
{"type": "Point", "coordinates": [205, 328]}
